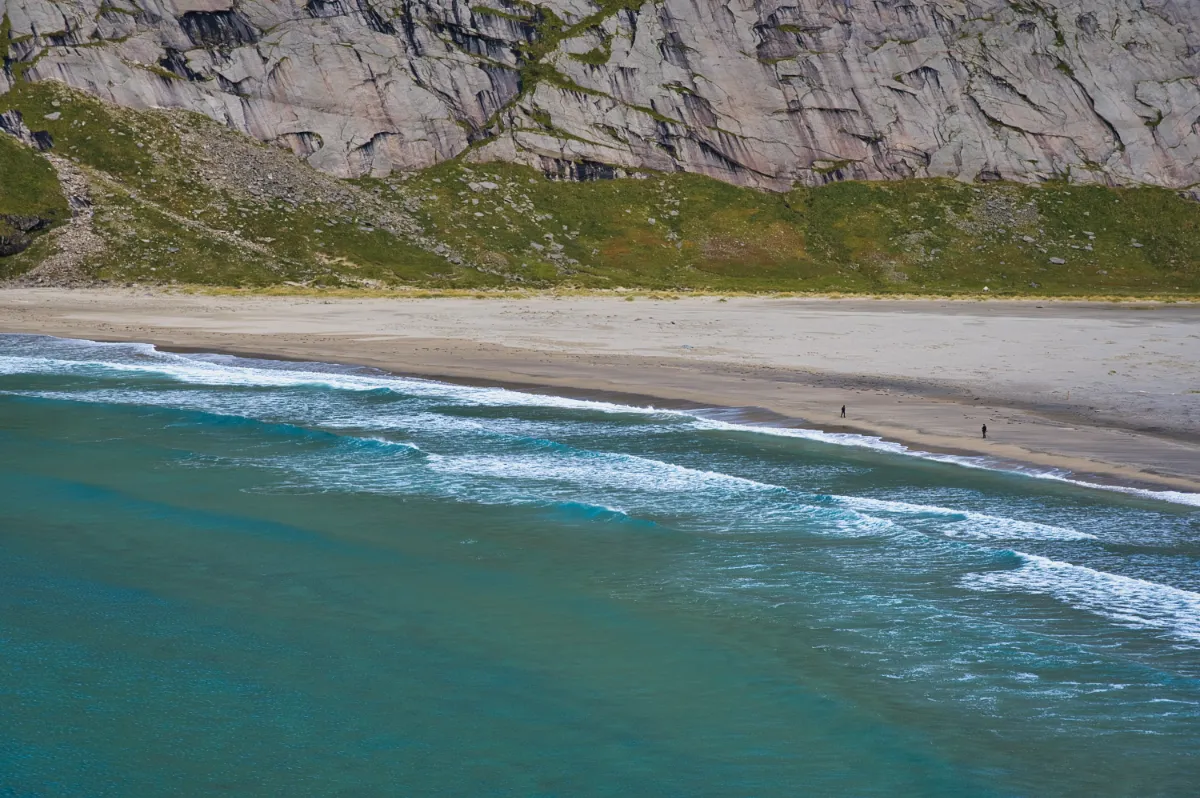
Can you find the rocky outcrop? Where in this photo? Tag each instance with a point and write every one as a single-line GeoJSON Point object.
{"type": "Point", "coordinates": [756, 92]}
{"type": "Point", "coordinates": [16, 232]}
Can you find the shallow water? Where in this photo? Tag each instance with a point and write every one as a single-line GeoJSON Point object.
{"type": "Point", "coordinates": [224, 575]}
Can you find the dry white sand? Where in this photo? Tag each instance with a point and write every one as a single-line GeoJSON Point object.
{"type": "Point", "coordinates": [1102, 389]}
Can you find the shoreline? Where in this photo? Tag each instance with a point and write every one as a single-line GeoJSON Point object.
{"type": "Point", "coordinates": [897, 408]}
{"type": "Point", "coordinates": [760, 418]}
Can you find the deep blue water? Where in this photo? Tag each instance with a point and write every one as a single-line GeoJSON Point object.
{"type": "Point", "coordinates": [224, 576]}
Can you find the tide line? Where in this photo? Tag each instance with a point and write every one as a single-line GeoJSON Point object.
{"type": "Point", "coordinates": [227, 370]}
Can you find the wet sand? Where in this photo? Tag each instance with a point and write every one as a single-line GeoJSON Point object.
{"type": "Point", "coordinates": [1107, 391]}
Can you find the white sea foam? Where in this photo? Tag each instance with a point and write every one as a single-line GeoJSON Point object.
{"type": "Point", "coordinates": [33, 365]}
{"type": "Point", "coordinates": [1172, 496]}
{"type": "Point", "coordinates": [390, 444]}
{"type": "Point", "coordinates": [597, 470]}
{"type": "Point", "coordinates": [852, 523]}
{"type": "Point", "coordinates": [983, 463]}
{"type": "Point", "coordinates": [611, 471]}
{"type": "Point", "coordinates": [203, 371]}
{"type": "Point", "coordinates": [1131, 602]}
{"type": "Point", "coordinates": [836, 438]}
{"type": "Point", "coordinates": [969, 524]}
{"type": "Point", "coordinates": [226, 370]}
{"type": "Point", "coordinates": [571, 475]}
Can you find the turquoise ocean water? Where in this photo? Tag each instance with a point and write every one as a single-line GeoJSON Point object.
{"type": "Point", "coordinates": [231, 576]}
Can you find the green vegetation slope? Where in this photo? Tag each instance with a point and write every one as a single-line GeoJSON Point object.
{"type": "Point", "coordinates": [31, 201]}
{"type": "Point", "coordinates": [180, 199]}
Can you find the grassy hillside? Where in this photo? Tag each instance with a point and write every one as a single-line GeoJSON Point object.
{"type": "Point", "coordinates": [929, 236]}
{"type": "Point", "coordinates": [180, 199]}
{"type": "Point", "coordinates": [29, 186]}
{"type": "Point", "coordinates": [31, 201]}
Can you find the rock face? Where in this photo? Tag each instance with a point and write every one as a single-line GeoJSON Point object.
{"type": "Point", "coordinates": [756, 92]}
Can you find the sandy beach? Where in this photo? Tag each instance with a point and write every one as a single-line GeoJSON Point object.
{"type": "Point", "coordinates": [1107, 391]}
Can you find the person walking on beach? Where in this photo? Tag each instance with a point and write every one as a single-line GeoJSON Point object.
{"type": "Point", "coordinates": [843, 411]}
{"type": "Point", "coordinates": [985, 432]}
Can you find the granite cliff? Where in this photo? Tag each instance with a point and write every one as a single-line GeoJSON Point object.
{"type": "Point", "coordinates": [760, 93]}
